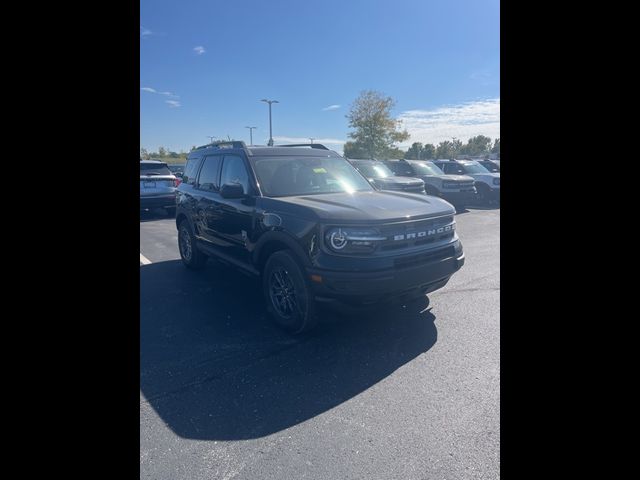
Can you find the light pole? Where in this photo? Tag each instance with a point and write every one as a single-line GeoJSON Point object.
{"type": "Point", "coordinates": [312, 139]}
{"type": "Point", "coordinates": [251, 134]}
{"type": "Point", "coordinates": [270, 133]}
{"type": "Point", "coordinates": [210, 138]}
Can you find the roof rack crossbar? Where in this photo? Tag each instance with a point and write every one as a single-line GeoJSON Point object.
{"type": "Point", "coordinates": [312, 145]}
{"type": "Point", "coordinates": [225, 144]}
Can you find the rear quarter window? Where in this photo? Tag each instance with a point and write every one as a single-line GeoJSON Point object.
{"type": "Point", "coordinates": [191, 170]}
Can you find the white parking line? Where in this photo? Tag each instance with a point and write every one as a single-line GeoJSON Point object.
{"type": "Point", "coordinates": [144, 260]}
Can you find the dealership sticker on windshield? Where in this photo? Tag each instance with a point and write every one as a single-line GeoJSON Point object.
{"type": "Point", "coordinates": [319, 170]}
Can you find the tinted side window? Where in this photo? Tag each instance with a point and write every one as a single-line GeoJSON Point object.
{"type": "Point", "coordinates": [191, 170]}
{"type": "Point", "coordinates": [453, 168]}
{"type": "Point", "coordinates": [208, 179]}
{"type": "Point", "coordinates": [234, 171]}
{"type": "Point", "coordinates": [400, 168]}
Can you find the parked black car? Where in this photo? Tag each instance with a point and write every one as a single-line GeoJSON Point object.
{"type": "Point", "coordinates": [379, 175]}
{"type": "Point", "coordinates": [314, 229]}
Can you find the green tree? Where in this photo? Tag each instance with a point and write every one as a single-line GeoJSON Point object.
{"type": "Point", "coordinates": [449, 149]}
{"type": "Point", "coordinates": [445, 150]}
{"type": "Point", "coordinates": [456, 146]}
{"type": "Point", "coordinates": [144, 154]}
{"type": "Point", "coordinates": [394, 153]}
{"type": "Point", "coordinates": [375, 131]}
{"type": "Point", "coordinates": [414, 152]}
{"type": "Point", "coordinates": [162, 152]}
{"type": "Point", "coordinates": [478, 145]}
{"type": "Point", "coordinates": [351, 150]}
{"type": "Point", "coordinates": [428, 152]}
{"type": "Point", "coordinates": [496, 147]}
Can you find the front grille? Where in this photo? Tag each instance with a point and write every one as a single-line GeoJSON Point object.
{"type": "Point", "coordinates": [414, 234]}
{"type": "Point", "coordinates": [459, 185]}
{"type": "Point", "coordinates": [427, 257]}
{"type": "Point", "coordinates": [413, 189]}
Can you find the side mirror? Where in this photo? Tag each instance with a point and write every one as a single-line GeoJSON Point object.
{"type": "Point", "coordinates": [231, 190]}
{"type": "Point", "coordinates": [179, 174]}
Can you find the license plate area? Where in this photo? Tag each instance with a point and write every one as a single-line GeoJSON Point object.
{"type": "Point", "coordinates": [149, 184]}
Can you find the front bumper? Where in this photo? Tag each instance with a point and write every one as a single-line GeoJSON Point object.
{"type": "Point", "coordinates": [401, 282]}
{"type": "Point", "coordinates": [158, 201]}
{"type": "Point", "coordinates": [459, 198]}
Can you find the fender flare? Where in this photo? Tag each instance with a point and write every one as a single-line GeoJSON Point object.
{"type": "Point", "coordinates": [280, 237]}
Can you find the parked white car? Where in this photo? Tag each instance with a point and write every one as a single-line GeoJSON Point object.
{"type": "Point", "coordinates": [487, 183]}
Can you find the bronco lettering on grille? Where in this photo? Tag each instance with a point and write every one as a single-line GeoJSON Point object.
{"type": "Point", "coordinates": [408, 236]}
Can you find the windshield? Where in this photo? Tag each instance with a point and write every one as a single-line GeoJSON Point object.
{"type": "Point", "coordinates": [474, 167]}
{"type": "Point", "coordinates": [374, 169]}
{"type": "Point", "coordinates": [426, 168]}
{"type": "Point", "coordinates": [287, 176]}
{"type": "Point", "coordinates": [154, 169]}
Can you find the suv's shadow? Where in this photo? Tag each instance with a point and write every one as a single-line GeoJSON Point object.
{"type": "Point", "coordinates": [492, 206]}
{"type": "Point", "coordinates": [153, 214]}
{"type": "Point", "coordinates": [213, 367]}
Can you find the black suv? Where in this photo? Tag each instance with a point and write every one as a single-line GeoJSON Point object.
{"type": "Point", "coordinates": [306, 221]}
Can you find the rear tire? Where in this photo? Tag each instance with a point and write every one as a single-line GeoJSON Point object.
{"type": "Point", "coordinates": [189, 253]}
{"type": "Point", "coordinates": [287, 293]}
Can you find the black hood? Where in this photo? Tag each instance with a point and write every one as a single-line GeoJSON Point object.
{"type": "Point", "coordinates": [370, 206]}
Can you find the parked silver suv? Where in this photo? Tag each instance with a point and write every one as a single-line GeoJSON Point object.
{"type": "Point", "coordinates": [157, 186]}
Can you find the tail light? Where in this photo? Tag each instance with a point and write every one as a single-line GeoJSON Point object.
{"type": "Point", "coordinates": [176, 181]}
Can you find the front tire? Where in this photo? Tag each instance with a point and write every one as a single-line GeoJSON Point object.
{"type": "Point", "coordinates": [287, 293]}
{"type": "Point", "coordinates": [484, 194]}
{"type": "Point", "coordinates": [191, 256]}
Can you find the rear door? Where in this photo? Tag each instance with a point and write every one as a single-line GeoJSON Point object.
{"type": "Point", "coordinates": [186, 193]}
{"type": "Point", "coordinates": [206, 199]}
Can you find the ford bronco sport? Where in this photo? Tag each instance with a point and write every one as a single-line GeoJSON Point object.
{"type": "Point", "coordinates": [312, 227]}
{"type": "Point", "coordinates": [458, 190]}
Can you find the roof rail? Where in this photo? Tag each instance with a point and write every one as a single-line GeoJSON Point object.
{"type": "Point", "coordinates": [225, 144]}
{"type": "Point", "coordinates": [312, 145]}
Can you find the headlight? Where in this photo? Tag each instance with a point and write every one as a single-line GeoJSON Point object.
{"type": "Point", "coordinates": [496, 181]}
{"type": "Point", "coordinates": [352, 239]}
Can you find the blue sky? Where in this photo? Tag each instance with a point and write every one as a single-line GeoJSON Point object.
{"type": "Point", "coordinates": [205, 65]}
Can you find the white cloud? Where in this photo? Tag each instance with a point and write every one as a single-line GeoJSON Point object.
{"type": "Point", "coordinates": [173, 103]}
{"type": "Point", "coordinates": [153, 90]}
{"type": "Point", "coordinates": [199, 50]}
{"type": "Point", "coordinates": [145, 32]}
{"type": "Point", "coordinates": [463, 121]}
{"type": "Point", "coordinates": [331, 107]}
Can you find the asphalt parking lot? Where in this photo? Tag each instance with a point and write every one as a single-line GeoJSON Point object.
{"type": "Point", "coordinates": [402, 392]}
